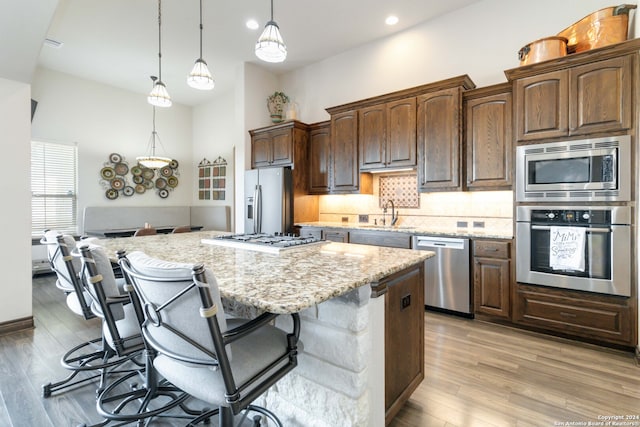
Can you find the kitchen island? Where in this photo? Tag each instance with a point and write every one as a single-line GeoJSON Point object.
{"type": "Point", "coordinates": [342, 293]}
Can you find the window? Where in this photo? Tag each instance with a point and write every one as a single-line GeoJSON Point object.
{"type": "Point", "coordinates": [53, 187]}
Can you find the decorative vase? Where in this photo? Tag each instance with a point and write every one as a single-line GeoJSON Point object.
{"type": "Point", "coordinates": [275, 104]}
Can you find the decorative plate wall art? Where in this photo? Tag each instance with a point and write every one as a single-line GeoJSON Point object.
{"type": "Point", "coordinates": [118, 179]}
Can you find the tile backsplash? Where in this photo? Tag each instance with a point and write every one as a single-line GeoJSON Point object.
{"type": "Point", "coordinates": [436, 210]}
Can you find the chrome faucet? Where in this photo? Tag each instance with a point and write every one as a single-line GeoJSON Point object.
{"type": "Point", "coordinates": [394, 214]}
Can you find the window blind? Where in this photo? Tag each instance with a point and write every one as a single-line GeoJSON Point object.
{"type": "Point", "coordinates": [53, 187]}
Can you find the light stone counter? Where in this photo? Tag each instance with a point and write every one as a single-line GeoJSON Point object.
{"type": "Point", "coordinates": [288, 282]}
{"type": "Point", "coordinates": [472, 233]}
{"type": "Point", "coordinates": [340, 377]}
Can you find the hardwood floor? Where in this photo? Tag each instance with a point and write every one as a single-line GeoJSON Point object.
{"type": "Point", "coordinates": [477, 374]}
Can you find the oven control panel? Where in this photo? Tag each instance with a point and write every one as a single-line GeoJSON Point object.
{"type": "Point", "coordinates": [570, 216]}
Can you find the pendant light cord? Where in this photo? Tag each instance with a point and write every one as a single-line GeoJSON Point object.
{"type": "Point", "coordinates": [154, 133]}
{"type": "Point", "coordinates": [272, 10]}
{"type": "Point", "coordinates": [159, 40]}
{"type": "Point", "coordinates": [200, 29]}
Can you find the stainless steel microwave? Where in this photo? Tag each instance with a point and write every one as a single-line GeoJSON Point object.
{"type": "Point", "coordinates": [587, 170]}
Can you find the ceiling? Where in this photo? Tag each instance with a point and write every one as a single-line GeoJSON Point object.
{"type": "Point", "coordinates": [116, 41]}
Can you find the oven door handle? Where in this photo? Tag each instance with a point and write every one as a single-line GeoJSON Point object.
{"type": "Point", "coordinates": [588, 229]}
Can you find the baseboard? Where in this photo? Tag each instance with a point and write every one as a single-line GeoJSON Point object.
{"type": "Point", "coordinates": [16, 325]}
{"type": "Point", "coordinates": [638, 355]}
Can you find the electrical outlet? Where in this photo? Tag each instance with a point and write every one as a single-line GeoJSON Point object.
{"type": "Point", "coordinates": [345, 219]}
{"type": "Point", "coordinates": [406, 301]}
{"type": "Point", "coordinates": [363, 218]}
{"type": "Point", "coordinates": [462, 224]}
{"type": "Point", "coordinates": [478, 224]}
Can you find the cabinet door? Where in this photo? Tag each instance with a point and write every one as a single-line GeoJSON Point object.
{"type": "Point", "coordinates": [438, 134]}
{"type": "Point", "coordinates": [491, 286]}
{"type": "Point", "coordinates": [261, 150]}
{"type": "Point", "coordinates": [344, 149]}
{"type": "Point", "coordinates": [541, 106]}
{"type": "Point", "coordinates": [341, 236]}
{"type": "Point", "coordinates": [601, 96]}
{"type": "Point", "coordinates": [488, 142]}
{"type": "Point", "coordinates": [372, 134]}
{"type": "Point", "coordinates": [401, 133]}
{"type": "Point", "coordinates": [281, 148]}
{"type": "Point", "coordinates": [319, 159]}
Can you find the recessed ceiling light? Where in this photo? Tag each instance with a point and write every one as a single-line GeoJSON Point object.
{"type": "Point", "coordinates": [391, 20]}
{"type": "Point", "coordinates": [252, 24]}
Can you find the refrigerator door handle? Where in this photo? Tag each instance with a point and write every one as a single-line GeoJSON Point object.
{"type": "Point", "coordinates": [257, 217]}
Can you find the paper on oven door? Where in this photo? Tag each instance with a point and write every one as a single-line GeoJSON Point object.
{"type": "Point", "coordinates": [566, 248]}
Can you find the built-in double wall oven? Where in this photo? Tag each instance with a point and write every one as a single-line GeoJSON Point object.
{"type": "Point", "coordinates": [578, 234]}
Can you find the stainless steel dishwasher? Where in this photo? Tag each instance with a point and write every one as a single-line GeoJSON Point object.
{"type": "Point", "coordinates": [446, 276]}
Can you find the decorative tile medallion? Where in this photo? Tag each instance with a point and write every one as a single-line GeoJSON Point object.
{"type": "Point", "coordinates": [402, 189]}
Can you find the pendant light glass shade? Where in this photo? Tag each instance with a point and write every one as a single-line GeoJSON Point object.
{"type": "Point", "coordinates": [270, 46]}
{"type": "Point", "coordinates": [152, 161]}
{"type": "Point", "coordinates": [200, 77]}
{"type": "Point", "coordinates": [159, 95]}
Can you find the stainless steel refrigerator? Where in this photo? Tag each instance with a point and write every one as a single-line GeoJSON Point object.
{"type": "Point", "coordinates": [268, 196]}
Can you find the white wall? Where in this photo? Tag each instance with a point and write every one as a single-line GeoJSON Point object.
{"type": "Point", "coordinates": [213, 137]}
{"type": "Point", "coordinates": [102, 120]}
{"type": "Point", "coordinates": [15, 264]}
{"type": "Point", "coordinates": [481, 40]}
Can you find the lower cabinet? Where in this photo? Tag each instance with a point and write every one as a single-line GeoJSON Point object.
{"type": "Point", "coordinates": [404, 336]}
{"type": "Point", "coordinates": [336, 235]}
{"type": "Point", "coordinates": [381, 238]}
{"type": "Point", "coordinates": [492, 277]}
{"type": "Point", "coordinates": [586, 315]}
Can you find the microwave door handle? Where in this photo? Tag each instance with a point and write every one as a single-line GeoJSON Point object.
{"type": "Point", "coordinates": [588, 229]}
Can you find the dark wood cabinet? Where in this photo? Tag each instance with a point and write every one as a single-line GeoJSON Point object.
{"type": "Point", "coordinates": [404, 336]}
{"type": "Point", "coordinates": [381, 238]}
{"type": "Point", "coordinates": [574, 98]}
{"type": "Point", "coordinates": [336, 235]}
{"type": "Point", "coordinates": [279, 145]}
{"type": "Point", "coordinates": [492, 277]}
{"type": "Point", "coordinates": [439, 138]}
{"type": "Point", "coordinates": [488, 138]}
{"type": "Point", "coordinates": [387, 135]}
{"type": "Point", "coordinates": [586, 315]}
{"type": "Point", "coordinates": [320, 158]}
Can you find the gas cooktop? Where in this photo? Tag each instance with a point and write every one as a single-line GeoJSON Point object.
{"type": "Point", "coordinates": [262, 242]}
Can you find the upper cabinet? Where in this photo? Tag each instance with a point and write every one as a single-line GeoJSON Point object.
{"type": "Point", "coordinates": [320, 158]}
{"type": "Point", "coordinates": [582, 94]}
{"type": "Point", "coordinates": [345, 176]}
{"type": "Point", "coordinates": [387, 135]}
{"type": "Point", "coordinates": [284, 144]}
{"type": "Point", "coordinates": [438, 132]}
{"type": "Point", "coordinates": [488, 137]}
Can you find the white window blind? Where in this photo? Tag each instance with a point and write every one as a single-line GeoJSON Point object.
{"type": "Point", "coordinates": [53, 187]}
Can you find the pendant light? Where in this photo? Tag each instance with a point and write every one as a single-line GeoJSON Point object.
{"type": "Point", "coordinates": [270, 46]}
{"type": "Point", "coordinates": [152, 161]}
{"type": "Point", "coordinates": [200, 77]}
{"type": "Point", "coordinates": [159, 96]}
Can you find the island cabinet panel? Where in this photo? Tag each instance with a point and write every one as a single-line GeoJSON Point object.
{"type": "Point", "coordinates": [438, 135]}
{"type": "Point", "coordinates": [586, 99]}
{"type": "Point", "coordinates": [488, 140]}
{"type": "Point", "coordinates": [387, 135]}
{"type": "Point", "coordinates": [600, 96]}
{"type": "Point", "coordinates": [596, 317]}
{"type": "Point", "coordinates": [281, 145]}
{"type": "Point", "coordinates": [404, 337]}
{"type": "Point", "coordinates": [492, 277]}
{"type": "Point", "coordinates": [320, 158]}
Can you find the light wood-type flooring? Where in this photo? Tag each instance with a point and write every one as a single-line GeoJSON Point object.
{"type": "Point", "coordinates": [477, 374]}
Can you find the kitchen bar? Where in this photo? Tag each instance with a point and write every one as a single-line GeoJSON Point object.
{"type": "Point", "coordinates": [339, 290]}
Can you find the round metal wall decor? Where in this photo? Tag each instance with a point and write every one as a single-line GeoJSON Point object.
{"type": "Point", "coordinates": [116, 174]}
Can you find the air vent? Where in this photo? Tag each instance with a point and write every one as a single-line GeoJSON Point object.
{"type": "Point", "coordinates": [556, 194]}
{"type": "Point", "coordinates": [555, 149]}
{"type": "Point", "coordinates": [533, 151]}
{"type": "Point", "coordinates": [575, 147]}
{"type": "Point", "coordinates": [606, 144]}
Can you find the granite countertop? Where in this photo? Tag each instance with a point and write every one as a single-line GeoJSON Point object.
{"type": "Point", "coordinates": [492, 233]}
{"type": "Point", "coordinates": [279, 283]}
